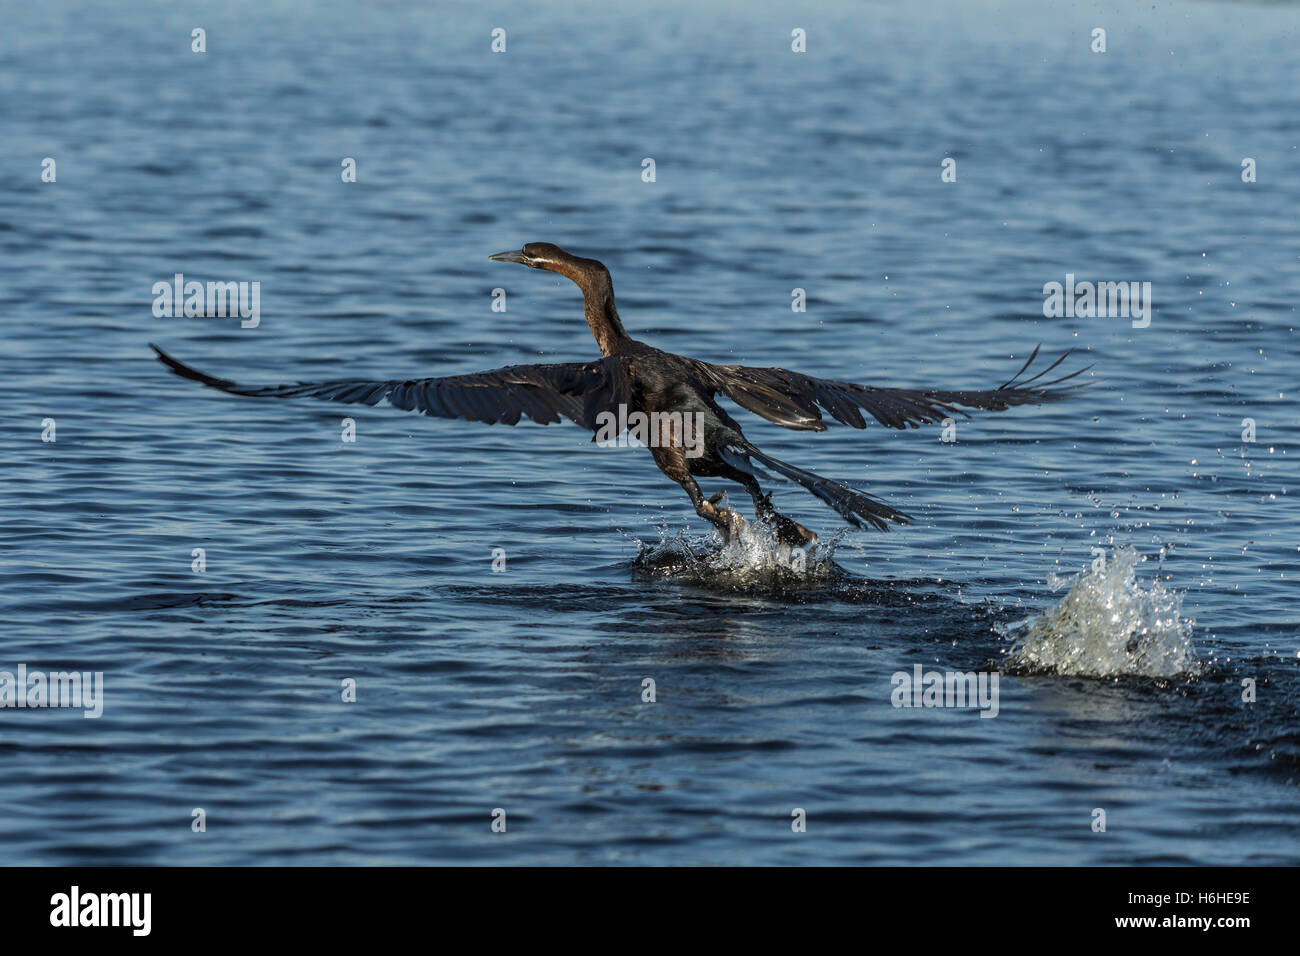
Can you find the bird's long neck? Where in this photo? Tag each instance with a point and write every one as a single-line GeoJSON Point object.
{"type": "Point", "coordinates": [598, 304]}
{"type": "Point", "coordinates": [603, 320]}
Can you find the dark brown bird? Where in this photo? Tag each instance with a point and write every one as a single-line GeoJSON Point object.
{"type": "Point", "coordinates": [689, 434]}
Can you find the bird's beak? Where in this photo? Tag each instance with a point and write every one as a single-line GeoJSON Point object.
{"type": "Point", "coordinates": [510, 257]}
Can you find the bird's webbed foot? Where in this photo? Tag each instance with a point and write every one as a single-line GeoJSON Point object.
{"type": "Point", "coordinates": [787, 531]}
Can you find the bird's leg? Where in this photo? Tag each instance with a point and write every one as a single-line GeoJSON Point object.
{"type": "Point", "coordinates": [733, 519]}
{"type": "Point", "coordinates": [727, 521]}
{"type": "Point", "coordinates": [787, 530]}
{"type": "Point", "coordinates": [672, 461]}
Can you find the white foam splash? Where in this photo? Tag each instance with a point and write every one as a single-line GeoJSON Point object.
{"type": "Point", "coordinates": [1107, 626]}
{"type": "Point", "coordinates": [752, 559]}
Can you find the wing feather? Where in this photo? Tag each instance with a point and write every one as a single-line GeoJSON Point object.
{"type": "Point", "coordinates": [578, 391]}
{"type": "Point", "coordinates": [795, 400]}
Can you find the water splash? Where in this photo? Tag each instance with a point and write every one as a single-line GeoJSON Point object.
{"type": "Point", "coordinates": [753, 560]}
{"type": "Point", "coordinates": [1106, 626]}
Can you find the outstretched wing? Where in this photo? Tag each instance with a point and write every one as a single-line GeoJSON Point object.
{"type": "Point", "coordinates": [792, 399]}
{"type": "Point", "coordinates": [578, 391]}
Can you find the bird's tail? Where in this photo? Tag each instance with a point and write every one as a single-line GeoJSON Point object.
{"type": "Point", "coordinates": [856, 507]}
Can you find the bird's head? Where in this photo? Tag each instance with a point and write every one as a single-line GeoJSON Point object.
{"type": "Point", "coordinates": [538, 255]}
{"type": "Point", "coordinates": [590, 275]}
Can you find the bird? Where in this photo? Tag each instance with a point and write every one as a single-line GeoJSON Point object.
{"type": "Point", "coordinates": [695, 437]}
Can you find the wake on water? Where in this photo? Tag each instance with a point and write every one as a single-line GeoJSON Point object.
{"type": "Point", "coordinates": [1106, 625]}
{"type": "Point", "coordinates": [752, 560]}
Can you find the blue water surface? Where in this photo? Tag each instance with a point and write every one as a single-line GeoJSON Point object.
{"type": "Point", "coordinates": [522, 690]}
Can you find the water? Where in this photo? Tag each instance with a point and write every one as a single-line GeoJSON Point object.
{"type": "Point", "coordinates": [1107, 625]}
{"type": "Point", "coordinates": [522, 690]}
